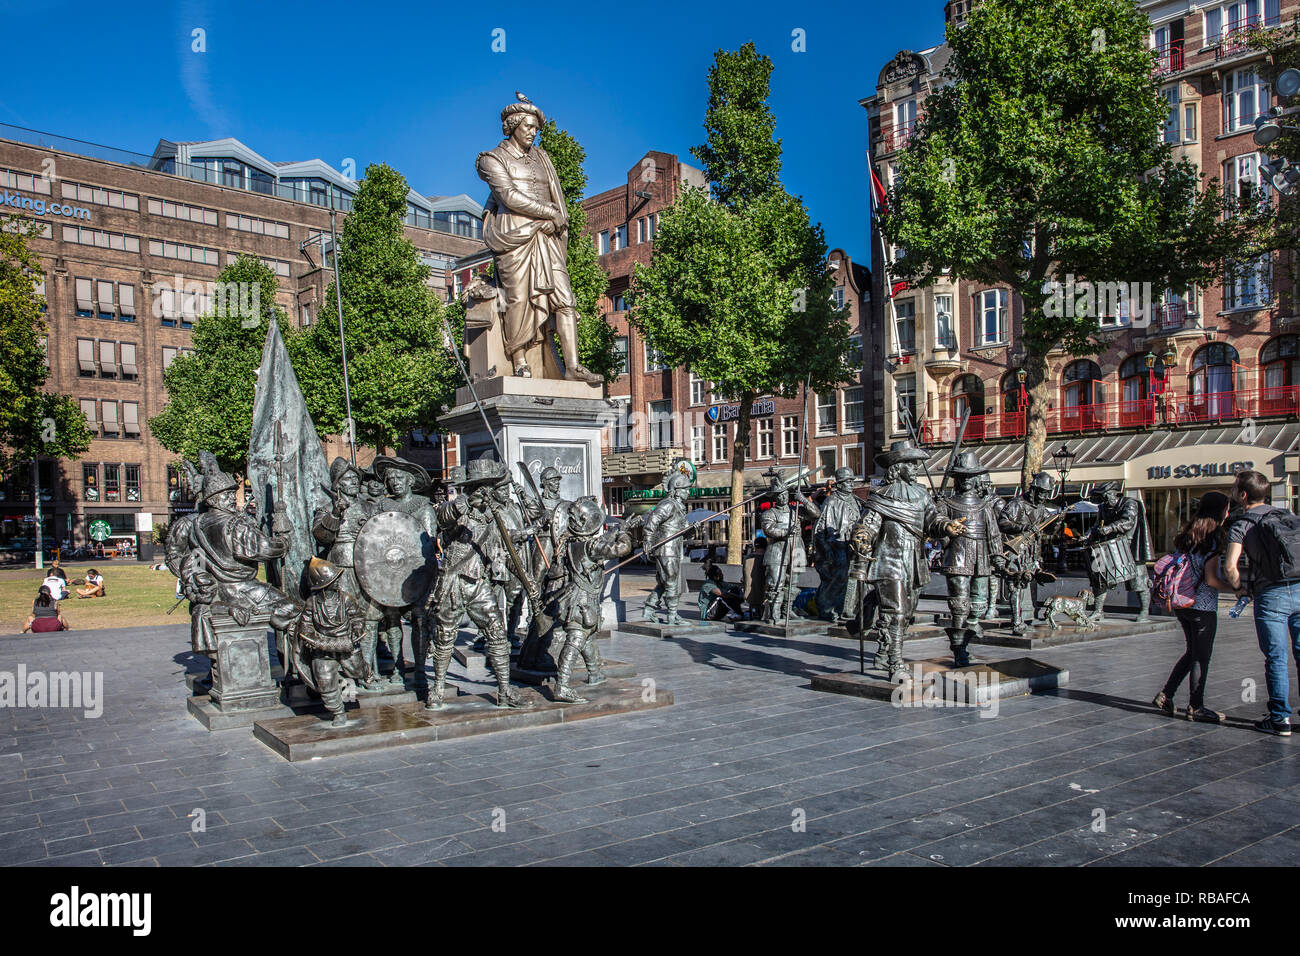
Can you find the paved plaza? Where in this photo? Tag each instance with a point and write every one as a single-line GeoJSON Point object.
{"type": "Point", "coordinates": [750, 766]}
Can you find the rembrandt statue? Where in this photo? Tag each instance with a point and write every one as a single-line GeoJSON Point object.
{"type": "Point", "coordinates": [526, 225]}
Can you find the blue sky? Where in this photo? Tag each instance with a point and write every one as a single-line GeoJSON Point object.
{"type": "Point", "coordinates": [417, 85]}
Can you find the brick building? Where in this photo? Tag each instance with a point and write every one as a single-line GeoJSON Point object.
{"type": "Point", "coordinates": [1171, 407]}
{"type": "Point", "coordinates": [664, 413]}
{"type": "Point", "coordinates": [129, 245]}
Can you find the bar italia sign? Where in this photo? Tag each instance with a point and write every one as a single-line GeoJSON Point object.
{"type": "Point", "coordinates": [729, 413]}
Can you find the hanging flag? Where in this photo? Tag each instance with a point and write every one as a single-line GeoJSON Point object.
{"type": "Point", "coordinates": [897, 287]}
{"type": "Point", "coordinates": [878, 192]}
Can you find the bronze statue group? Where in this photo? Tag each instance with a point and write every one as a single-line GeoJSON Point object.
{"type": "Point", "coordinates": [388, 553]}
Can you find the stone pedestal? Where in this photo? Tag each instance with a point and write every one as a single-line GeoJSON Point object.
{"type": "Point", "coordinates": [1113, 625]}
{"type": "Point", "coordinates": [937, 682]}
{"type": "Point", "coordinates": [540, 423]}
{"type": "Point", "coordinates": [242, 690]}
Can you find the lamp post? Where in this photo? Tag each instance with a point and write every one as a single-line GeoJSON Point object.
{"type": "Point", "coordinates": [1064, 459]}
{"type": "Point", "coordinates": [1021, 375]}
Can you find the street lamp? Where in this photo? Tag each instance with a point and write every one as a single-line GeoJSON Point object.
{"type": "Point", "coordinates": [1063, 458]}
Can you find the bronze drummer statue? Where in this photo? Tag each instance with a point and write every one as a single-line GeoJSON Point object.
{"type": "Point", "coordinates": [1119, 548]}
{"type": "Point", "coordinates": [1022, 523]}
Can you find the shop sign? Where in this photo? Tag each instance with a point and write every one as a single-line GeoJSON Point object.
{"type": "Point", "coordinates": [728, 413]}
{"type": "Point", "coordinates": [1207, 470]}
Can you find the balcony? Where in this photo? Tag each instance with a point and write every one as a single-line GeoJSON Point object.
{"type": "Point", "coordinates": [1237, 37]}
{"type": "Point", "coordinates": [1169, 58]}
{"type": "Point", "coordinates": [1155, 410]}
{"type": "Point", "coordinates": [897, 137]}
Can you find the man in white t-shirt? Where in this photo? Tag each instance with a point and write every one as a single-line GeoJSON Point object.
{"type": "Point", "coordinates": [58, 587]}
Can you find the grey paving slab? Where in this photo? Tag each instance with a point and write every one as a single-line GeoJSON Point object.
{"type": "Point", "coordinates": [714, 780]}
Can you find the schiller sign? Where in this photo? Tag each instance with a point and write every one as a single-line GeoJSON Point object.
{"type": "Point", "coordinates": [727, 413]}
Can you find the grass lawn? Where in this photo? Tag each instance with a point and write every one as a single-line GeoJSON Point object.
{"type": "Point", "coordinates": [136, 597]}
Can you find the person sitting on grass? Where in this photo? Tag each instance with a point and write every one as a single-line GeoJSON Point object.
{"type": "Point", "coordinates": [57, 585]}
{"type": "Point", "coordinates": [94, 585]}
{"type": "Point", "coordinates": [45, 615]}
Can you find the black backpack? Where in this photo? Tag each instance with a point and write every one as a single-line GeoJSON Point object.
{"type": "Point", "coordinates": [1279, 546]}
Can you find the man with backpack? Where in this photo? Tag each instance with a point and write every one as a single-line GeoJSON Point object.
{"type": "Point", "coordinates": [1270, 538]}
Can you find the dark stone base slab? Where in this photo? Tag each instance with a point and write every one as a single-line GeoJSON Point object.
{"type": "Point", "coordinates": [655, 629]}
{"type": "Point", "coordinates": [798, 626]}
{"type": "Point", "coordinates": [199, 684]}
{"type": "Point", "coordinates": [212, 718]}
{"type": "Point", "coordinates": [917, 632]}
{"type": "Point", "coordinates": [308, 737]}
{"type": "Point", "coordinates": [612, 668]}
{"type": "Point", "coordinates": [1044, 636]}
{"type": "Point", "coordinates": [936, 682]}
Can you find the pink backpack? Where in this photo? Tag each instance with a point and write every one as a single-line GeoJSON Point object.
{"type": "Point", "coordinates": [1176, 582]}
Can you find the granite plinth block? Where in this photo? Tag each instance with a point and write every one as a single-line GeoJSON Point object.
{"type": "Point", "coordinates": [655, 629]}
{"type": "Point", "coordinates": [1114, 626]}
{"type": "Point", "coordinates": [212, 717]}
{"type": "Point", "coordinates": [611, 668]}
{"type": "Point", "coordinates": [387, 694]}
{"type": "Point", "coordinates": [797, 626]}
{"type": "Point", "coordinates": [937, 682]}
{"type": "Point", "coordinates": [307, 737]}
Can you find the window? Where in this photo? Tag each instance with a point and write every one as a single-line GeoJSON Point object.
{"type": "Point", "coordinates": [86, 357]}
{"type": "Point", "coordinates": [853, 409]}
{"type": "Point", "coordinates": [765, 432]}
{"type": "Point", "coordinates": [1280, 362]}
{"type": "Point", "coordinates": [641, 235]}
{"type": "Point", "coordinates": [1134, 387]}
{"type": "Point", "coordinates": [107, 359]}
{"type": "Point", "coordinates": [28, 182]}
{"type": "Point", "coordinates": [905, 327]}
{"type": "Point", "coordinates": [1011, 394]}
{"type": "Point", "coordinates": [602, 242]}
{"type": "Point", "coordinates": [183, 252]}
{"type": "Point", "coordinates": [699, 388]}
{"type": "Point", "coordinates": [661, 424]}
{"type": "Point", "coordinates": [1245, 96]}
{"type": "Point", "coordinates": [90, 482]}
{"type": "Point", "coordinates": [131, 419]}
{"type": "Point", "coordinates": [1243, 181]}
{"type": "Point", "coordinates": [132, 473]}
{"type": "Point", "coordinates": [968, 396]}
{"type": "Point", "coordinates": [719, 442]}
{"type": "Point", "coordinates": [826, 412]}
{"type": "Point", "coordinates": [262, 227]}
{"type": "Point", "coordinates": [620, 354]}
{"type": "Point", "coordinates": [130, 371]}
{"type": "Point", "coordinates": [905, 392]}
{"type": "Point", "coordinates": [1252, 287]}
{"type": "Point", "coordinates": [180, 210]}
{"type": "Point", "coordinates": [697, 444]}
{"type": "Point", "coordinates": [855, 459]}
{"type": "Point", "coordinates": [654, 360]}
{"type": "Point", "coordinates": [826, 460]}
{"type": "Point", "coordinates": [108, 418]}
{"type": "Point", "coordinates": [112, 483]}
{"type": "Point", "coordinates": [621, 440]}
{"type": "Point", "coordinates": [944, 330]}
{"type": "Point", "coordinates": [104, 240]}
{"type": "Point", "coordinates": [278, 266]}
{"type": "Point", "coordinates": [620, 237]}
{"type": "Point", "coordinates": [1210, 384]}
{"type": "Point", "coordinates": [854, 355]}
{"type": "Point", "coordinates": [1082, 390]}
{"type": "Point", "coordinates": [1170, 95]}
{"type": "Point", "coordinates": [126, 302]}
{"type": "Point", "coordinates": [789, 436]}
{"type": "Point", "coordinates": [993, 316]}
{"type": "Point", "coordinates": [105, 298]}
{"type": "Point", "coordinates": [838, 297]}
{"type": "Point", "coordinates": [85, 298]}
{"type": "Point", "coordinates": [618, 303]}
{"type": "Point", "coordinates": [91, 411]}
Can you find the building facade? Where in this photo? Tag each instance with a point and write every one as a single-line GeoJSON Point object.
{"type": "Point", "coordinates": [664, 413]}
{"type": "Point", "coordinates": [1172, 406]}
{"type": "Point", "coordinates": [131, 245]}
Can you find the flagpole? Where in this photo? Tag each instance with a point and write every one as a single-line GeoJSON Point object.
{"type": "Point", "coordinates": [884, 257]}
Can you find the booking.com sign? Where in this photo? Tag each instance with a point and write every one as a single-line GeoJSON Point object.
{"type": "Point", "coordinates": [39, 206]}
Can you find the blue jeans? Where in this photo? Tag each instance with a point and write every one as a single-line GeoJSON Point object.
{"type": "Point", "coordinates": [1277, 621]}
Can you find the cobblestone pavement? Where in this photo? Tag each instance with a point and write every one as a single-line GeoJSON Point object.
{"type": "Point", "coordinates": [750, 766]}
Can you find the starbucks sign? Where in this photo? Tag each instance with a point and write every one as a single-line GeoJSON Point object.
{"type": "Point", "coordinates": [99, 530]}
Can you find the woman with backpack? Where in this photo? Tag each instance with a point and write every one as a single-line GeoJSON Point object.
{"type": "Point", "coordinates": [1200, 542]}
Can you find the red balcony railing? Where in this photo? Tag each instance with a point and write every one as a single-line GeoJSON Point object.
{"type": "Point", "coordinates": [1169, 58]}
{"type": "Point", "coordinates": [1153, 410]}
{"type": "Point", "coordinates": [1171, 316]}
{"type": "Point", "coordinates": [1237, 37]}
{"type": "Point", "coordinates": [898, 136]}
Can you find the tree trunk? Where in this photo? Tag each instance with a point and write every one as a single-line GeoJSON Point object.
{"type": "Point", "coordinates": [40, 533]}
{"type": "Point", "coordinates": [739, 448]}
{"type": "Point", "coordinates": [1039, 390]}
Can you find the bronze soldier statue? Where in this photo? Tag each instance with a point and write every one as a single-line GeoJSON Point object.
{"type": "Point", "coordinates": [667, 519]}
{"type": "Point", "coordinates": [1120, 547]}
{"type": "Point", "coordinates": [897, 518]}
{"type": "Point", "coordinates": [506, 498]}
{"type": "Point", "coordinates": [215, 553]}
{"type": "Point", "coordinates": [471, 545]}
{"type": "Point", "coordinates": [406, 483]}
{"type": "Point", "coordinates": [329, 636]}
{"type": "Point", "coordinates": [971, 558]}
{"type": "Point", "coordinates": [549, 516]}
{"type": "Point", "coordinates": [336, 529]}
{"type": "Point", "coordinates": [1022, 523]}
{"type": "Point", "coordinates": [782, 531]}
{"type": "Point", "coordinates": [984, 599]}
{"type": "Point", "coordinates": [585, 552]}
{"type": "Point", "coordinates": [839, 514]}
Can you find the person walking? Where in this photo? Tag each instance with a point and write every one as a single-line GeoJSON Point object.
{"type": "Point", "coordinates": [1265, 534]}
{"type": "Point", "coordinates": [1201, 540]}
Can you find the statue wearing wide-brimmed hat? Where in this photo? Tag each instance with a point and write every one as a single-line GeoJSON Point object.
{"type": "Point", "coordinates": [784, 535]}
{"type": "Point", "coordinates": [471, 545]}
{"type": "Point", "coordinates": [970, 559]}
{"type": "Point", "coordinates": [1023, 522]}
{"type": "Point", "coordinates": [898, 516]}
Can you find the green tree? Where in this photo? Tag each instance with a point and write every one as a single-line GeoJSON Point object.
{"type": "Point", "coordinates": [210, 391]}
{"type": "Point", "coordinates": [400, 373]}
{"type": "Point", "coordinates": [738, 289]}
{"type": "Point", "coordinates": [34, 423]}
{"type": "Point", "coordinates": [1041, 157]}
{"type": "Point", "coordinates": [595, 335]}
{"type": "Point", "coordinates": [1283, 227]}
